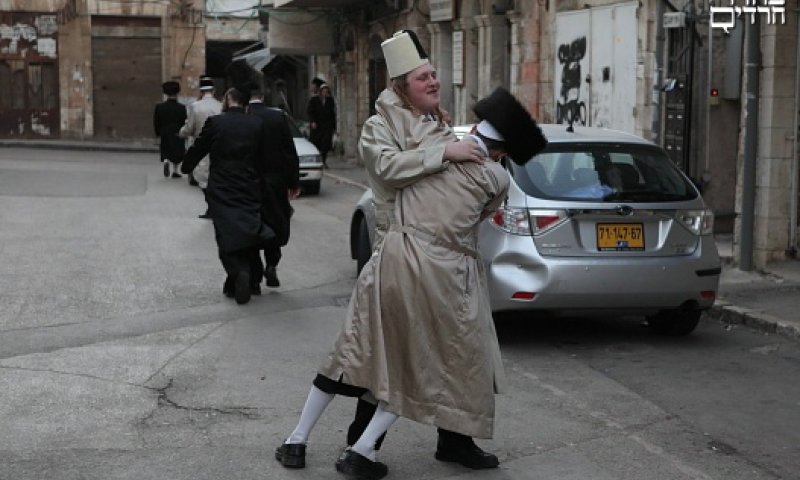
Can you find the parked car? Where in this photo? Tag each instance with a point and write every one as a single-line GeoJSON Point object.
{"type": "Point", "coordinates": [600, 222]}
{"type": "Point", "coordinates": [310, 160]}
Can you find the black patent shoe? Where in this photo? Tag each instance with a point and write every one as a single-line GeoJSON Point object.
{"type": "Point", "coordinates": [227, 287]}
{"type": "Point", "coordinates": [241, 288]}
{"type": "Point", "coordinates": [358, 467]}
{"type": "Point", "coordinates": [466, 453]}
{"type": "Point", "coordinates": [291, 455]}
{"type": "Point", "coordinates": [271, 276]}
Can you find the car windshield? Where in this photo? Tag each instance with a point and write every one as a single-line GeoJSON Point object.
{"type": "Point", "coordinates": [296, 133]}
{"type": "Point", "coordinates": [603, 172]}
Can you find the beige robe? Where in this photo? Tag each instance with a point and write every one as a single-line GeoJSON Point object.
{"type": "Point", "coordinates": [397, 149]}
{"type": "Point", "coordinates": [419, 333]}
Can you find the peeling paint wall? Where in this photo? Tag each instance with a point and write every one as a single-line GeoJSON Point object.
{"type": "Point", "coordinates": [70, 46]}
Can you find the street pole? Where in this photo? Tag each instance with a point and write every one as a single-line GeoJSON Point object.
{"type": "Point", "coordinates": [658, 94]}
{"type": "Point", "coordinates": [752, 67]}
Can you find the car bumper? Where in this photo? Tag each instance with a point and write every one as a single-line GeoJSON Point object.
{"type": "Point", "coordinates": [311, 173]}
{"type": "Point", "coordinates": [569, 285]}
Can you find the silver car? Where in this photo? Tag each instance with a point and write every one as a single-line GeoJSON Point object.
{"type": "Point", "coordinates": [600, 222]}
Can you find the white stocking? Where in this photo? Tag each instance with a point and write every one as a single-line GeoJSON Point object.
{"type": "Point", "coordinates": [379, 424]}
{"type": "Point", "coordinates": [316, 403]}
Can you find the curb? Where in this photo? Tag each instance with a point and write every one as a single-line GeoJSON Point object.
{"type": "Point", "coordinates": [105, 147]}
{"type": "Point", "coordinates": [346, 180]}
{"type": "Point", "coordinates": [733, 315]}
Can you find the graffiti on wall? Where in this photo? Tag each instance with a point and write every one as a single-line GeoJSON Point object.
{"type": "Point", "coordinates": [569, 106]}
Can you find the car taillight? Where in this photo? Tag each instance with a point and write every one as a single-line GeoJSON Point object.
{"type": "Point", "coordinates": [512, 220]}
{"type": "Point", "coordinates": [544, 220]}
{"type": "Point", "coordinates": [699, 222]}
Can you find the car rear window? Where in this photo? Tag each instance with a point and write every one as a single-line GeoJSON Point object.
{"type": "Point", "coordinates": [602, 172]}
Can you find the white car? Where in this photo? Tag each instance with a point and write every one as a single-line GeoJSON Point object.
{"type": "Point", "coordinates": [310, 160]}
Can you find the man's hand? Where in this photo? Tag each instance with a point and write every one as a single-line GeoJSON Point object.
{"type": "Point", "coordinates": [463, 151]}
{"type": "Point", "coordinates": [294, 193]}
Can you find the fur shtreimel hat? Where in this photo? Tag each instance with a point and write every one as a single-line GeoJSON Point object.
{"type": "Point", "coordinates": [243, 77]}
{"type": "Point", "coordinates": [403, 53]}
{"type": "Point", "coordinates": [206, 83]}
{"type": "Point", "coordinates": [171, 88]}
{"type": "Point", "coordinates": [519, 131]}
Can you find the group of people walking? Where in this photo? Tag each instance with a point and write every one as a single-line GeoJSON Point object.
{"type": "Point", "coordinates": [418, 339]}
{"type": "Point", "coordinates": [244, 160]}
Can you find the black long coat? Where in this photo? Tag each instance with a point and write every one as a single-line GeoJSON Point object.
{"type": "Point", "coordinates": [235, 144]}
{"type": "Point", "coordinates": [324, 115]}
{"type": "Point", "coordinates": [281, 171]}
{"type": "Point", "coordinates": [168, 118]}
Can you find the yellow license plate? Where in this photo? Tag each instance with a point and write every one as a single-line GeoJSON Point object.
{"type": "Point", "coordinates": [620, 236]}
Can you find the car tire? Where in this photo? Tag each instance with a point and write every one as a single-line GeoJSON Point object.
{"type": "Point", "coordinates": [363, 247]}
{"type": "Point", "coordinates": [675, 323]}
{"type": "Point", "coordinates": [312, 188]}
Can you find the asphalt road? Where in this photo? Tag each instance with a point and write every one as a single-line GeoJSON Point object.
{"type": "Point", "coordinates": [121, 359]}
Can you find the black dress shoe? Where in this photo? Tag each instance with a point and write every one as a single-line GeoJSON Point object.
{"type": "Point", "coordinates": [242, 288]}
{"type": "Point", "coordinates": [227, 287]}
{"type": "Point", "coordinates": [205, 215]}
{"type": "Point", "coordinates": [358, 467]}
{"type": "Point", "coordinates": [465, 452]}
{"type": "Point", "coordinates": [271, 275]}
{"type": "Point", "coordinates": [291, 455]}
{"type": "Point", "coordinates": [192, 181]}
{"type": "Point", "coordinates": [175, 174]}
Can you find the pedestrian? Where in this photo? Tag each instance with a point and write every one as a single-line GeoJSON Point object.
{"type": "Point", "coordinates": [322, 121]}
{"type": "Point", "coordinates": [281, 179]}
{"type": "Point", "coordinates": [237, 152]}
{"type": "Point", "coordinates": [197, 114]}
{"type": "Point", "coordinates": [168, 118]}
{"type": "Point", "coordinates": [420, 339]}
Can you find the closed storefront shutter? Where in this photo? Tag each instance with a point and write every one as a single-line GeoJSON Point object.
{"type": "Point", "coordinates": [126, 75]}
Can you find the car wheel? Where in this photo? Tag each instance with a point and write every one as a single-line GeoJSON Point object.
{"type": "Point", "coordinates": [675, 323]}
{"type": "Point", "coordinates": [311, 188]}
{"type": "Point", "coordinates": [363, 248]}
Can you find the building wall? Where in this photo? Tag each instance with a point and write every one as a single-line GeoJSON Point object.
{"type": "Point", "coordinates": [182, 53]}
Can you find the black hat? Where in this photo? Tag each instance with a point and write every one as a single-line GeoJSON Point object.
{"type": "Point", "coordinates": [522, 136]}
{"type": "Point", "coordinates": [206, 83]}
{"type": "Point", "coordinates": [170, 88]}
{"type": "Point", "coordinates": [243, 77]}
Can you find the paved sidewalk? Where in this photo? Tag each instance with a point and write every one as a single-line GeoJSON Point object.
{"type": "Point", "coordinates": [768, 300]}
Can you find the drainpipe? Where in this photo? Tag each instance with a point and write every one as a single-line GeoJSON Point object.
{"type": "Point", "coordinates": [658, 94]}
{"type": "Point", "coordinates": [793, 218]}
{"type": "Point", "coordinates": [752, 67]}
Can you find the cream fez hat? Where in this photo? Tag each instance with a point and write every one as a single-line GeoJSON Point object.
{"type": "Point", "coordinates": [403, 53]}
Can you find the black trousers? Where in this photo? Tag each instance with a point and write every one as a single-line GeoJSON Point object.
{"type": "Point", "coordinates": [245, 260]}
{"type": "Point", "coordinates": [272, 255]}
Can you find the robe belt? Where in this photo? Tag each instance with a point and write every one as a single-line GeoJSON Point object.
{"type": "Point", "coordinates": [410, 230]}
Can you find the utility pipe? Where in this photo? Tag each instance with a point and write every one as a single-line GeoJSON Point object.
{"type": "Point", "coordinates": [794, 242]}
{"type": "Point", "coordinates": [752, 67]}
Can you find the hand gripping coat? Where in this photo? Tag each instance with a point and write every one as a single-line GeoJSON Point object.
{"type": "Point", "coordinates": [419, 333]}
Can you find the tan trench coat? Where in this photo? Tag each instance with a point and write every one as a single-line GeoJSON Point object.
{"type": "Point", "coordinates": [419, 332]}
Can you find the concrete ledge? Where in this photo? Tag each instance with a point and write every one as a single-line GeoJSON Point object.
{"type": "Point", "coordinates": [79, 145]}
{"type": "Point", "coordinates": [733, 315]}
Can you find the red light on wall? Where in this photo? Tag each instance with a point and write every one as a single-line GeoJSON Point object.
{"type": "Point", "coordinates": [714, 92]}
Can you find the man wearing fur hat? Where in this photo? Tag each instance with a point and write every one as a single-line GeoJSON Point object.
{"type": "Point", "coordinates": [430, 355]}
{"type": "Point", "coordinates": [198, 113]}
{"type": "Point", "coordinates": [168, 118]}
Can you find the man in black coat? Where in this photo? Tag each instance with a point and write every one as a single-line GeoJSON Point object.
{"type": "Point", "coordinates": [322, 117]}
{"type": "Point", "coordinates": [168, 118]}
{"type": "Point", "coordinates": [281, 179]}
{"type": "Point", "coordinates": [235, 143]}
